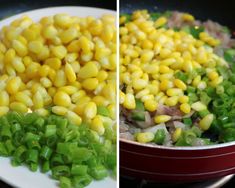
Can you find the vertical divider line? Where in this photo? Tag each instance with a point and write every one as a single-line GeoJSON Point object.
{"type": "Point", "coordinates": [117, 90]}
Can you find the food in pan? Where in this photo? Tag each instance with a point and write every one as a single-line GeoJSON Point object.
{"type": "Point", "coordinates": [57, 96]}
{"type": "Point", "coordinates": [177, 80]}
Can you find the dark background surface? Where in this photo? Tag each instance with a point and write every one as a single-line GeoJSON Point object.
{"type": "Point", "coordinates": [11, 7]}
{"type": "Point", "coordinates": [222, 11]}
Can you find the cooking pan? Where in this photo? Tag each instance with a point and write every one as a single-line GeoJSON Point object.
{"type": "Point", "coordinates": [182, 164]}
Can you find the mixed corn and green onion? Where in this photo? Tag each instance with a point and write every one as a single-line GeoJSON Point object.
{"type": "Point", "coordinates": [175, 90]}
{"type": "Point", "coordinates": [61, 66]}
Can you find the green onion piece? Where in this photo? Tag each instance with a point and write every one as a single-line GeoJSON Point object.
{"type": "Point", "coordinates": [191, 89]}
{"type": "Point", "coordinates": [33, 144]}
{"type": "Point", "coordinates": [66, 148]}
{"type": "Point", "coordinates": [61, 170]}
{"type": "Point", "coordinates": [182, 76]}
{"type": "Point", "coordinates": [203, 113]}
{"type": "Point", "coordinates": [98, 172]}
{"type": "Point", "coordinates": [45, 166]}
{"type": "Point", "coordinates": [195, 31]}
{"type": "Point", "coordinates": [229, 125]}
{"type": "Point", "coordinates": [33, 167]}
{"type": "Point", "coordinates": [160, 136]}
{"type": "Point", "coordinates": [3, 150]}
{"type": "Point", "coordinates": [50, 130]}
{"type": "Point", "coordinates": [46, 152]}
{"type": "Point", "coordinates": [30, 136]}
{"type": "Point", "coordinates": [81, 181]}
{"type": "Point", "coordinates": [65, 182]}
{"type": "Point", "coordinates": [10, 147]}
{"type": "Point", "coordinates": [187, 121]}
{"type": "Point", "coordinates": [19, 154]}
{"type": "Point", "coordinates": [103, 111]}
{"type": "Point", "coordinates": [15, 127]}
{"type": "Point", "coordinates": [138, 116]}
{"type": "Point", "coordinates": [39, 123]}
{"type": "Point", "coordinates": [57, 160]}
{"type": "Point", "coordinates": [227, 135]}
{"type": "Point", "coordinates": [219, 89]}
{"type": "Point", "coordinates": [139, 105]}
{"type": "Point", "coordinates": [192, 97]}
{"type": "Point", "coordinates": [78, 169]}
{"type": "Point", "coordinates": [81, 154]}
{"type": "Point", "coordinates": [51, 141]}
{"type": "Point", "coordinates": [229, 55]}
{"type": "Point", "coordinates": [18, 138]}
{"type": "Point", "coordinates": [204, 98]}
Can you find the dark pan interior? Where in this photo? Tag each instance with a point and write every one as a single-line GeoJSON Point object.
{"type": "Point", "coordinates": [220, 11]}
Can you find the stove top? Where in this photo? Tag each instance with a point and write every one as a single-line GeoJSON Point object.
{"type": "Point", "coordinates": [223, 182]}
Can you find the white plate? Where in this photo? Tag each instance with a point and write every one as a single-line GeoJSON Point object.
{"type": "Point", "coordinates": [21, 177]}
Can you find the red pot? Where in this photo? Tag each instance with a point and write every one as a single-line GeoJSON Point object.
{"type": "Point", "coordinates": [171, 164]}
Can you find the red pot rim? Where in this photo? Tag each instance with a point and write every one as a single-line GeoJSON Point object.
{"type": "Point", "coordinates": [177, 148]}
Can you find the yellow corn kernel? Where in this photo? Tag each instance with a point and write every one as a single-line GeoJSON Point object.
{"type": "Point", "coordinates": [160, 22]}
{"type": "Point", "coordinates": [164, 69]}
{"type": "Point", "coordinates": [177, 133]}
{"type": "Point", "coordinates": [174, 91]}
{"type": "Point", "coordinates": [198, 106]}
{"type": "Point", "coordinates": [102, 75]}
{"type": "Point", "coordinates": [20, 48]}
{"type": "Point", "coordinates": [216, 81]}
{"type": "Point", "coordinates": [60, 78]}
{"type": "Point", "coordinates": [139, 84]}
{"type": "Point", "coordinates": [90, 110]}
{"type": "Point", "coordinates": [62, 99]}
{"type": "Point", "coordinates": [109, 91]}
{"type": "Point", "coordinates": [88, 70]}
{"type": "Point", "coordinates": [171, 101]}
{"type": "Point", "coordinates": [150, 105]}
{"type": "Point", "coordinates": [146, 56]}
{"type": "Point", "coordinates": [84, 44]}
{"type": "Point", "coordinates": [76, 66]}
{"type": "Point", "coordinates": [165, 84]}
{"type": "Point", "coordinates": [42, 112]}
{"type": "Point", "coordinates": [68, 35]}
{"type": "Point", "coordinates": [97, 125]}
{"type": "Point", "coordinates": [59, 110]}
{"type": "Point", "coordinates": [69, 89]}
{"type": "Point", "coordinates": [129, 101]}
{"type": "Point", "coordinates": [76, 96]}
{"type": "Point", "coordinates": [69, 72]}
{"type": "Point", "coordinates": [74, 118]}
{"type": "Point", "coordinates": [206, 122]}
{"type": "Point", "coordinates": [185, 107]}
{"type": "Point", "coordinates": [180, 84]}
{"type": "Point", "coordinates": [71, 57]}
{"type": "Point", "coordinates": [213, 75]}
{"type": "Point", "coordinates": [35, 46]}
{"type": "Point", "coordinates": [90, 83]}
{"type": "Point", "coordinates": [122, 96]}
{"type": "Point", "coordinates": [46, 82]}
{"type": "Point", "coordinates": [32, 70]}
{"type": "Point", "coordinates": [18, 107]}
{"type": "Point", "coordinates": [4, 98]}
{"type": "Point", "coordinates": [38, 100]}
{"type": "Point", "coordinates": [13, 85]}
{"type": "Point", "coordinates": [184, 99]}
{"type": "Point", "coordinates": [53, 62]}
{"type": "Point", "coordinates": [161, 118]}
{"type": "Point", "coordinates": [100, 100]}
{"type": "Point", "coordinates": [51, 91]}
{"type": "Point", "coordinates": [18, 64]}
{"type": "Point", "coordinates": [196, 80]}
{"type": "Point", "coordinates": [59, 51]}
{"type": "Point", "coordinates": [49, 32]}
{"type": "Point", "coordinates": [188, 17]}
{"type": "Point", "coordinates": [145, 137]}
{"type": "Point", "coordinates": [62, 20]}
{"type": "Point", "coordinates": [3, 110]}
{"type": "Point", "coordinates": [23, 98]}
{"type": "Point", "coordinates": [112, 110]}
{"type": "Point", "coordinates": [44, 70]}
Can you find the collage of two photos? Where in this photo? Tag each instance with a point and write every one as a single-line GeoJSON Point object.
{"type": "Point", "coordinates": [112, 94]}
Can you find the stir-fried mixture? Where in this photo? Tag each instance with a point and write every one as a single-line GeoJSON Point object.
{"type": "Point", "coordinates": [177, 80]}
{"type": "Point", "coordinates": [63, 69]}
